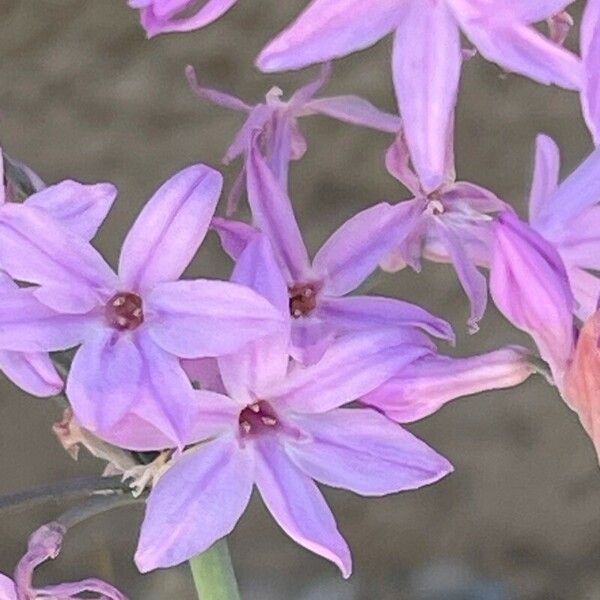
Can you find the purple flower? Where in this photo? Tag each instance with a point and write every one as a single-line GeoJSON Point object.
{"type": "Point", "coordinates": [317, 304]}
{"type": "Point", "coordinates": [568, 216]}
{"type": "Point", "coordinates": [45, 544]}
{"type": "Point", "coordinates": [82, 208]}
{"type": "Point", "coordinates": [590, 54]}
{"type": "Point", "coordinates": [427, 54]}
{"type": "Point", "coordinates": [450, 224]}
{"type": "Point", "coordinates": [279, 428]}
{"type": "Point", "coordinates": [126, 384]}
{"type": "Point", "coordinates": [426, 385]}
{"type": "Point", "coordinates": [276, 123]}
{"type": "Point", "coordinates": [529, 285]}
{"type": "Point", "coordinates": [163, 16]}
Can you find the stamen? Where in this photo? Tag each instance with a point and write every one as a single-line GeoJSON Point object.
{"type": "Point", "coordinates": [303, 299]}
{"type": "Point", "coordinates": [124, 311]}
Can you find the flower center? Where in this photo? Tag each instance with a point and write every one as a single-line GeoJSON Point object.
{"type": "Point", "coordinates": [124, 311]}
{"type": "Point", "coordinates": [303, 299]}
{"type": "Point", "coordinates": [257, 418]}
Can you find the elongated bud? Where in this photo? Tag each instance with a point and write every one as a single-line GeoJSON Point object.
{"type": "Point", "coordinates": [530, 287]}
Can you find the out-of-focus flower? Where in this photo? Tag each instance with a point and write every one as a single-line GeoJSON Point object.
{"type": "Point", "coordinates": [276, 123]}
{"type": "Point", "coordinates": [568, 216]}
{"type": "Point", "coordinates": [427, 54]}
{"type": "Point", "coordinates": [280, 427]}
{"type": "Point", "coordinates": [126, 384]}
{"type": "Point", "coordinates": [163, 16]}
{"type": "Point", "coordinates": [582, 383]}
{"type": "Point", "coordinates": [45, 544]}
{"type": "Point", "coordinates": [450, 224]}
{"type": "Point", "coordinates": [529, 285]}
{"type": "Point", "coordinates": [426, 385]}
{"type": "Point", "coordinates": [318, 306]}
{"type": "Point", "coordinates": [81, 208]}
{"type": "Point", "coordinates": [559, 26]}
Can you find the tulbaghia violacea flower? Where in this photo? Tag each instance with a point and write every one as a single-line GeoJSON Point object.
{"type": "Point", "coordinates": [126, 384]}
{"type": "Point", "coordinates": [81, 208]}
{"type": "Point", "coordinates": [568, 216]}
{"type": "Point", "coordinates": [45, 544]}
{"type": "Point", "coordinates": [276, 123]}
{"type": "Point", "coordinates": [317, 306]}
{"type": "Point", "coordinates": [530, 286]}
{"type": "Point", "coordinates": [430, 382]}
{"type": "Point", "coordinates": [427, 54]}
{"type": "Point", "coordinates": [163, 16]}
{"type": "Point", "coordinates": [279, 428]}
{"type": "Point", "coordinates": [450, 224]}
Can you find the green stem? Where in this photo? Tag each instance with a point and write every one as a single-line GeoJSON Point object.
{"type": "Point", "coordinates": [213, 574]}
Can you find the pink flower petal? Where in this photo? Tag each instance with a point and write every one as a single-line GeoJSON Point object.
{"type": "Point", "coordinates": [193, 319]}
{"type": "Point", "coordinates": [79, 207]}
{"type": "Point", "coordinates": [378, 458]}
{"type": "Point", "coordinates": [330, 29]}
{"type": "Point", "coordinates": [170, 228]}
{"type": "Point", "coordinates": [195, 503]}
{"type": "Point", "coordinates": [298, 506]}
{"type": "Point", "coordinates": [353, 366]}
{"type": "Point", "coordinates": [426, 62]}
{"type": "Point", "coordinates": [429, 383]}
{"type": "Point", "coordinates": [33, 372]}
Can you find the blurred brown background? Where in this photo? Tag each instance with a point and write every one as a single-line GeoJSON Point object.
{"type": "Point", "coordinates": [84, 95]}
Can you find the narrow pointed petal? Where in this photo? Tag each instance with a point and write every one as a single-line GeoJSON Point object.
{"type": "Point", "coordinates": [361, 312]}
{"type": "Point", "coordinates": [273, 214]}
{"type": "Point", "coordinates": [427, 61]}
{"type": "Point", "coordinates": [195, 503]}
{"type": "Point", "coordinates": [27, 325]}
{"type": "Point", "coordinates": [104, 380]}
{"type": "Point", "coordinates": [234, 235]}
{"type": "Point", "coordinates": [79, 207]}
{"type": "Point", "coordinates": [546, 174]}
{"type": "Point", "coordinates": [156, 23]}
{"type": "Point", "coordinates": [258, 363]}
{"type": "Point", "coordinates": [471, 279]}
{"type": "Point", "coordinates": [307, 92]}
{"type": "Point", "coordinates": [330, 29]}
{"type": "Point", "coordinates": [38, 249]}
{"type": "Point", "coordinates": [352, 367]}
{"type": "Point", "coordinates": [431, 382]}
{"type": "Point", "coordinates": [397, 162]}
{"type": "Point", "coordinates": [32, 372]}
{"type": "Point", "coordinates": [529, 285]}
{"type": "Point", "coordinates": [378, 458]}
{"type": "Point", "coordinates": [355, 250]}
{"type": "Point", "coordinates": [193, 319]}
{"type": "Point", "coordinates": [170, 228]}
{"type": "Point", "coordinates": [590, 54]}
{"type": "Point", "coordinates": [521, 49]}
{"type": "Point", "coordinates": [356, 111]}
{"type": "Point", "coordinates": [215, 96]}
{"type": "Point", "coordinates": [311, 336]}
{"type": "Point", "coordinates": [298, 506]}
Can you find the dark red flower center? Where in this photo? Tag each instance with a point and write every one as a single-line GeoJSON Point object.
{"type": "Point", "coordinates": [124, 311]}
{"type": "Point", "coordinates": [303, 299]}
{"type": "Point", "coordinates": [258, 418]}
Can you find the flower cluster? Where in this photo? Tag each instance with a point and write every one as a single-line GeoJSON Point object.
{"type": "Point", "coordinates": [285, 377]}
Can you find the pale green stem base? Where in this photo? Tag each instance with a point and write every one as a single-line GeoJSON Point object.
{"type": "Point", "coordinates": [213, 574]}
